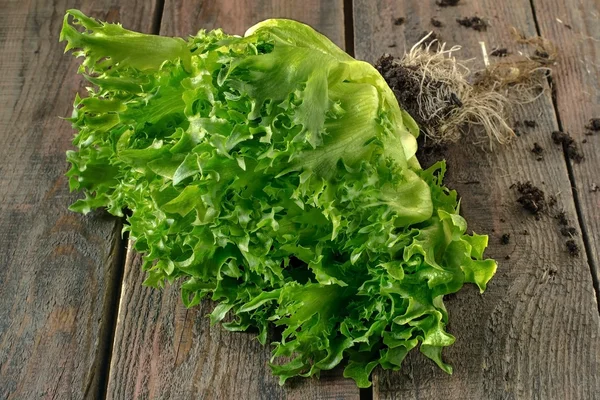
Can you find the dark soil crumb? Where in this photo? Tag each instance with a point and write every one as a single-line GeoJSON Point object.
{"type": "Point", "coordinates": [594, 124]}
{"type": "Point", "coordinates": [474, 23]}
{"type": "Point", "coordinates": [568, 26]}
{"type": "Point", "coordinates": [447, 3]}
{"type": "Point", "coordinates": [530, 123]}
{"type": "Point", "coordinates": [399, 21]}
{"type": "Point", "coordinates": [532, 198]}
{"type": "Point", "coordinates": [552, 200]}
{"type": "Point", "coordinates": [568, 231]}
{"type": "Point", "coordinates": [561, 216]}
{"type": "Point", "coordinates": [505, 239]}
{"type": "Point", "coordinates": [572, 248]}
{"type": "Point", "coordinates": [517, 131]}
{"type": "Point", "coordinates": [507, 257]}
{"type": "Point", "coordinates": [538, 151]}
{"type": "Point", "coordinates": [499, 52]}
{"type": "Point", "coordinates": [594, 188]}
{"type": "Point", "coordinates": [584, 141]}
{"type": "Point", "coordinates": [566, 140]}
{"type": "Point", "coordinates": [524, 232]}
{"type": "Point", "coordinates": [502, 220]}
{"type": "Point", "coordinates": [392, 45]}
{"type": "Point", "coordinates": [437, 23]}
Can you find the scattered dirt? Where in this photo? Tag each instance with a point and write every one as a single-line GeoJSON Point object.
{"type": "Point", "coordinates": [507, 257]}
{"type": "Point", "coordinates": [561, 216]}
{"type": "Point", "coordinates": [499, 52]}
{"type": "Point", "coordinates": [572, 248]}
{"type": "Point", "coordinates": [530, 123]}
{"type": "Point", "coordinates": [447, 3]}
{"type": "Point", "coordinates": [594, 188]}
{"type": "Point", "coordinates": [552, 200]}
{"type": "Point", "coordinates": [436, 22]}
{"type": "Point", "coordinates": [538, 151]}
{"type": "Point", "coordinates": [532, 198]}
{"type": "Point", "coordinates": [399, 21]}
{"type": "Point", "coordinates": [474, 23]}
{"type": "Point", "coordinates": [524, 232]}
{"type": "Point", "coordinates": [569, 143]}
{"type": "Point", "coordinates": [517, 132]}
{"type": "Point", "coordinates": [568, 231]}
{"type": "Point", "coordinates": [584, 141]}
{"type": "Point", "coordinates": [505, 239]}
{"type": "Point", "coordinates": [594, 124]}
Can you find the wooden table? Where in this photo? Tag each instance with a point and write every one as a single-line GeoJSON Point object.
{"type": "Point", "coordinates": [76, 323]}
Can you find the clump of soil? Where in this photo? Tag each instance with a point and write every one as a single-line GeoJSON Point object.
{"type": "Point", "coordinates": [538, 151]}
{"type": "Point", "coordinates": [530, 123]}
{"type": "Point", "coordinates": [437, 23]}
{"type": "Point", "coordinates": [447, 3]}
{"type": "Point", "coordinates": [594, 188]}
{"type": "Point", "coordinates": [561, 216]}
{"type": "Point", "coordinates": [532, 198]}
{"type": "Point", "coordinates": [505, 239]}
{"type": "Point", "coordinates": [568, 231]}
{"type": "Point", "coordinates": [569, 144]}
{"type": "Point", "coordinates": [594, 124]}
{"type": "Point", "coordinates": [572, 248]}
{"type": "Point", "coordinates": [499, 52]}
{"type": "Point", "coordinates": [399, 21]}
{"type": "Point", "coordinates": [476, 23]}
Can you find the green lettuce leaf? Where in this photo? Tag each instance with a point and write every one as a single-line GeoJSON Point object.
{"type": "Point", "coordinates": [276, 175]}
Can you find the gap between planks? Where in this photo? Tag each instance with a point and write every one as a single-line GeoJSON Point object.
{"type": "Point", "coordinates": [577, 201]}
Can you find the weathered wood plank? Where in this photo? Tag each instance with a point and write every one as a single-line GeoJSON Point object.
{"type": "Point", "coordinates": [59, 270]}
{"type": "Point", "coordinates": [577, 86]}
{"type": "Point", "coordinates": [535, 332]}
{"type": "Point", "coordinates": [162, 350]}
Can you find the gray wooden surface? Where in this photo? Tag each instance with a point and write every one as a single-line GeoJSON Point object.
{"type": "Point", "coordinates": [75, 321]}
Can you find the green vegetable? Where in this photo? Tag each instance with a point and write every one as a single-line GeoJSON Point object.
{"type": "Point", "coordinates": [276, 175]}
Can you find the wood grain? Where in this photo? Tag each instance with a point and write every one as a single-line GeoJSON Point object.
{"type": "Point", "coordinates": [162, 350]}
{"type": "Point", "coordinates": [58, 269]}
{"type": "Point", "coordinates": [575, 28]}
{"type": "Point", "coordinates": [535, 333]}
{"type": "Point", "coordinates": [186, 17]}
